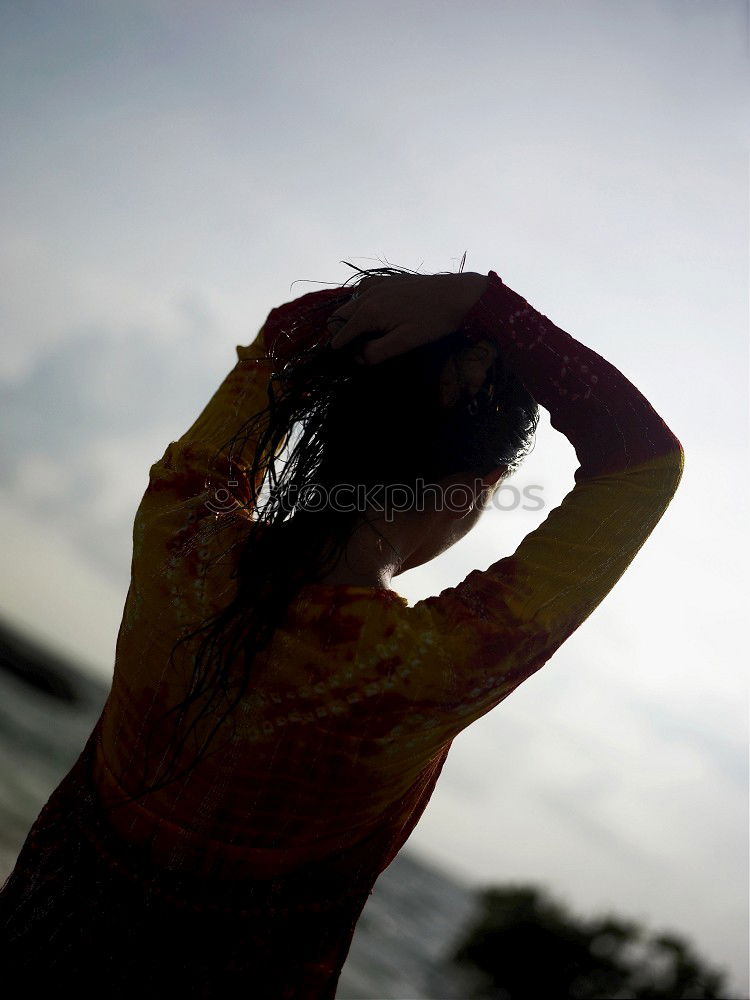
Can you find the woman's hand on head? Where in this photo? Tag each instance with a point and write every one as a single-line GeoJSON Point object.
{"type": "Point", "coordinates": [405, 311]}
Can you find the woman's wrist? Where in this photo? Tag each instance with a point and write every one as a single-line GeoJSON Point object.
{"type": "Point", "coordinates": [465, 290]}
{"type": "Point", "coordinates": [473, 287]}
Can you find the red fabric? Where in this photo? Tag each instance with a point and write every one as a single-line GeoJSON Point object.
{"type": "Point", "coordinates": [85, 911]}
{"type": "Point", "coordinates": [611, 425]}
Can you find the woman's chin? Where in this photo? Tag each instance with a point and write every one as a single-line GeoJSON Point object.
{"type": "Point", "coordinates": [413, 561]}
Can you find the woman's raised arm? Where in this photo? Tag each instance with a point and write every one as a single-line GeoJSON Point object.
{"type": "Point", "coordinates": [199, 454]}
{"type": "Point", "coordinates": [499, 626]}
{"type": "Point", "coordinates": [194, 481]}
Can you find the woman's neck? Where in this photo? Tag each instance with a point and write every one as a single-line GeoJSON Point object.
{"type": "Point", "coordinates": [369, 559]}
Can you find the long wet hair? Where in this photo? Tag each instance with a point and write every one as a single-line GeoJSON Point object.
{"type": "Point", "coordinates": [337, 422]}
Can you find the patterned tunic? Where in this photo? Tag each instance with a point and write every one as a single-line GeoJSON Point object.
{"type": "Point", "coordinates": [272, 845]}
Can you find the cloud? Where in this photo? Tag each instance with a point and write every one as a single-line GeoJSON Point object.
{"type": "Point", "coordinates": [83, 425]}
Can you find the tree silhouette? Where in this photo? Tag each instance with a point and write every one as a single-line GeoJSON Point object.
{"type": "Point", "coordinates": [527, 945]}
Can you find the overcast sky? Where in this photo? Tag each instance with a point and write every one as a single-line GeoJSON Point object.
{"type": "Point", "coordinates": [169, 169]}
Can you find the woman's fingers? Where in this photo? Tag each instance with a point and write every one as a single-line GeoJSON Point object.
{"type": "Point", "coordinates": [339, 317]}
{"type": "Point", "coordinates": [390, 345]}
{"type": "Point", "coordinates": [384, 306]}
{"type": "Point", "coordinates": [358, 317]}
{"type": "Point", "coordinates": [342, 326]}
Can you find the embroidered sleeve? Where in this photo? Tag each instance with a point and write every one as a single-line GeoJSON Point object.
{"type": "Point", "coordinates": [202, 455]}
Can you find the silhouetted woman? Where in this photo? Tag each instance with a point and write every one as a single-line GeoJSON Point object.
{"type": "Point", "coordinates": [279, 715]}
